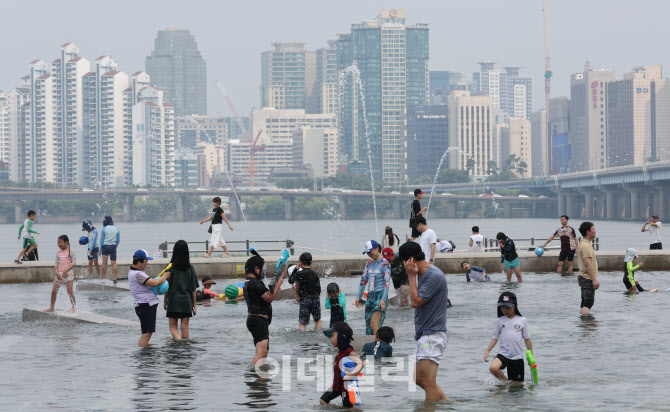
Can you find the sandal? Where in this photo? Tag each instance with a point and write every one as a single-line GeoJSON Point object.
{"type": "Point", "coordinates": [18, 262]}
{"type": "Point", "coordinates": [205, 255]}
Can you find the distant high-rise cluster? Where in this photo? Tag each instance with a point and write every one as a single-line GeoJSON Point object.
{"type": "Point", "coordinates": [366, 102]}
{"type": "Point", "coordinates": [176, 67]}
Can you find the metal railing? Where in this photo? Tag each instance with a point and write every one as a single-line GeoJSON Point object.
{"type": "Point", "coordinates": [491, 245]}
{"type": "Point", "coordinates": [166, 248]}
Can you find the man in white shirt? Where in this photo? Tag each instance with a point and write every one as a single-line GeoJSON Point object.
{"type": "Point", "coordinates": [428, 238]}
{"type": "Point", "coordinates": [476, 240]}
{"type": "Point", "coordinates": [654, 233]}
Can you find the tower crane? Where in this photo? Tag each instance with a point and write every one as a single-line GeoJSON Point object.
{"type": "Point", "coordinates": [547, 83]}
{"type": "Point", "coordinates": [252, 144]}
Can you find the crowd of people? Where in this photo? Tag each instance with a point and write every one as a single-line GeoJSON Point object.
{"type": "Point", "coordinates": [409, 267]}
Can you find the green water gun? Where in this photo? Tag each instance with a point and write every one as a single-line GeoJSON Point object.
{"type": "Point", "coordinates": [532, 364]}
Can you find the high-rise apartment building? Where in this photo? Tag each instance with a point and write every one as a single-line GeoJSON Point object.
{"type": "Point", "coordinates": [67, 72]}
{"type": "Point", "coordinates": [272, 134]}
{"type": "Point", "coordinates": [560, 149]}
{"type": "Point", "coordinates": [427, 137]}
{"type": "Point", "coordinates": [194, 129]}
{"type": "Point", "coordinates": [471, 130]}
{"type": "Point", "coordinates": [287, 76]}
{"type": "Point", "coordinates": [185, 169]}
{"type": "Point", "coordinates": [509, 92]}
{"type": "Point", "coordinates": [443, 82]}
{"type": "Point", "coordinates": [515, 139]}
{"type": "Point", "coordinates": [638, 121]}
{"type": "Point", "coordinates": [103, 123]}
{"type": "Point", "coordinates": [390, 60]}
{"type": "Point", "coordinates": [327, 79]}
{"type": "Point", "coordinates": [316, 148]}
{"type": "Point", "coordinates": [588, 119]}
{"type": "Point", "coordinates": [39, 155]}
{"type": "Point", "coordinates": [11, 128]}
{"type": "Point", "coordinates": [176, 67]}
{"type": "Point", "coordinates": [153, 140]}
{"type": "Point", "coordinates": [539, 144]}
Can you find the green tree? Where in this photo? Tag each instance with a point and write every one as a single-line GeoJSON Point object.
{"type": "Point", "coordinates": [491, 167]}
{"type": "Point", "coordinates": [470, 165]}
{"type": "Point", "coordinates": [453, 176]}
{"type": "Point", "coordinates": [521, 168]}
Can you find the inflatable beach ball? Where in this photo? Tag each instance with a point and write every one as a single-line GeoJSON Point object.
{"type": "Point", "coordinates": [232, 291]}
{"type": "Point", "coordinates": [162, 288]}
{"type": "Point", "coordinates": [539, 251]}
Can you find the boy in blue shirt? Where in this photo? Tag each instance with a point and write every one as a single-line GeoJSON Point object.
{"type": "Point", "coordinates": [110, 237]}
{"type": "Point", "coordinates": [474, 273]}
{"type": "Point", "coordinates": [381, 347]}
{"type": "Point", "coordinates": [87, 226]}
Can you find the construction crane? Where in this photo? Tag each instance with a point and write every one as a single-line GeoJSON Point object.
{"type": "Point", "coordinates": [547, 83]}
{"type": "Point", "coordinates": [253, 148]}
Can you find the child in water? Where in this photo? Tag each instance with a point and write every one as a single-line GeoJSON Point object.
{"type": "Point", "coordinates": [381, 347]}
{"type": "Point", "coordinates": [65, 261]}
{"type": "Point", "coordinates": [474, 273]}
{"type": "Point", "coordinates": [629, 280]}
{"type": "Point", "coordinates": [511, 328]}
{"type": "Point", "coordinates": [337, 303]}
{"type": "Point", "coordinates": [341, 336]}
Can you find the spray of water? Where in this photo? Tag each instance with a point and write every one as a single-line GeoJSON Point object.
{"type": "Point", "coordinates": [437, 174]}
{"type": "Point", "coordinates": [356, 78]}
{"type": "Point", "coordinates": [209, 138]}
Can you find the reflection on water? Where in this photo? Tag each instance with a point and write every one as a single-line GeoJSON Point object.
{"type": "Point", "coordinates": [147, 377]}
{"type": "Point", "coordinates": [258, 391]}
{"type": "Point", "coordinates": [106, 371]}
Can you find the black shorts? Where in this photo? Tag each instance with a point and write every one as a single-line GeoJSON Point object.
{"type": "Point", "coordinates": [566, 254]}
{"type": "Point", "coordinates": [588, 293]}
{"type": "Point", "coordinates": [309, 306]}
{"type": "Point", "coordinates": [626, 282]}
{"type": "Point", "coordinates": [415, 232]}
{"type": "Point", "coordinates": [177, 315]}
{"type": "Point", "coordinates": [656, 246]}
{"type": "Point", "coordinates": [331, 395]}
{"type": "Point", "coordinates": [515, 368]}
{"type": "Point", "coordinates": [147, 315]}
{"type": "Point", "coordinates": [397, 282]}
{"type": "Point", "coordinates": [259, 328]}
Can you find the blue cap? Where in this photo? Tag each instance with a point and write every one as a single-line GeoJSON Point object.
{"type": "Point", "coordinates": [369, 245]}
{"type": "Point", "coordinates": [141, 255]}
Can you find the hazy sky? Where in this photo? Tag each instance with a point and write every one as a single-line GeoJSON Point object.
{"type": "Point", "coordinates": [613, 34]}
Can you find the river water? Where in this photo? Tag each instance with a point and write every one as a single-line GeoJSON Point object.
{"type": "Point", "coordinates": [612, 361]}
{"type": "Point", "coordinates": [344, 236]}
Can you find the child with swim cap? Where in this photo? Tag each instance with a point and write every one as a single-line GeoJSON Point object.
{"type": "Point", "coordinates": [341, 336]}
{"type": "Point", "coordinates": [145, 300]}
{"type": "Point", "coordinates": [65, 261]}
{"type": "Point", "coordinates": [629, 280]}
{"type": "Point", "coordinates": [511, 328]}
{"type": "Point", "coordinates": [381, 347]}
{"type": "Point", "coordinates": [336, 301]}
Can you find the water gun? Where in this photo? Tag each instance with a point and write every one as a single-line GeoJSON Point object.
{"type": "Point", "coordinates": [353, 391]}
{"type": "Point", "coordinates": [532, 364]}
{"type": "Point", "coordinates": [165, 270]}
{"type": "Point", "coordinates": [363, 299]}
{"type": "Point", "coordinates": [279, 269]}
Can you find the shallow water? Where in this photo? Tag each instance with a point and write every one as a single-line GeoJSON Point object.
{"type": "Point", "coordinates": [613, 360]}
{"type": "Point", "coordinates": [343, 236]}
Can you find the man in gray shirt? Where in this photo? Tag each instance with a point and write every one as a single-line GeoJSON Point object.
{"type": "Point", "coordinates": [428, 294]}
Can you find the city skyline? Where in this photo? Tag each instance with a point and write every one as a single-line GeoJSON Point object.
{"type": "Point", "coordinates": [510, 34]}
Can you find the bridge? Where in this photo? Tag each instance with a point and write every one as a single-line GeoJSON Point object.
{"type": "Point", "coordinates": [626, 192]}
{"type": "Point", "coordinates": [531, 206]}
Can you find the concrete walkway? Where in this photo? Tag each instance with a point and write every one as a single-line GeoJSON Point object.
{"type": "Point", "coordinates": [31, 315]}
{"type": "Point", "coordinates": [339, 265]}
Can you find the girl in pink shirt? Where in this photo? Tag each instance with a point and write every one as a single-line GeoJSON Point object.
{"type": "Point", "coordinates": [65, 261]}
